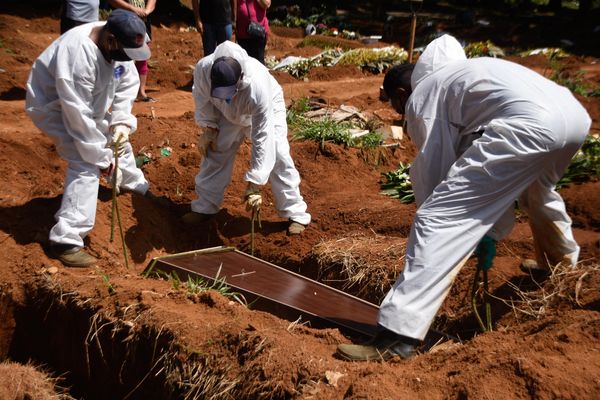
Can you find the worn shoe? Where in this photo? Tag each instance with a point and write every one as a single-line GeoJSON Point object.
{"type": "Point", "coordinates": [73, 256]}
{"type": "Point", "coordinates": [146, 99]}
{"type": "Point", "coordinates": [162, 201]}
{"type": "Point", "coordinates": [295, 228]}
{"type": "Point", "coordinates": [384, 346]}
{"type": "Point", "coordinates": [194, 218]}
{"type": "Point", "coordinates": [531, 267]}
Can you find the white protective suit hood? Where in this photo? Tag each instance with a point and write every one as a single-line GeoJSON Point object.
{"type": "Point", "coordinates": [437, 54]}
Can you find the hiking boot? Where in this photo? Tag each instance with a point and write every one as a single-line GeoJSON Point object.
{"type": "Point", "coordinates": [295, 228]}
{"type": "Point", "coordinates": [194, 218]}
{"type": "Point", "coordinates": [73, 256]}
{"type": "Point", "coordinates": [384, 346]}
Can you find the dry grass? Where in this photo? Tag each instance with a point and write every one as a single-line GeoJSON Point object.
{"type": "Point", "coordinates": [365, 265]}
{"type": "Point", "coordinates": [565, 285]}
{"type": "Point", "coordinates": [21, 382]}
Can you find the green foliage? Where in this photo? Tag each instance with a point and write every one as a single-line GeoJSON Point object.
{"type": "Point", "coordinates": [291, 21]}
{"type": "Point", "coordinates": [594, 92]}
{"type": "Point", "coordinates": [585, 165]}
{"type": "Point", "coordinates": [324, 130]}
{"type": "Point", "coordinates": [398, 185]}
{"type": "Point", "coordinates": [315, 41]}
{"type": "Point", "coordinates": [328, 130]}
{"type": "Point", "coordinates": [299, 107]}
{"type": "Point", "coordinates": [483, 49]}
{"type": "Point", "coordinates": [199, 285]}
{"type": "Point", "coordinates": [370, 140]}
{"type": "Point", "coordinates": [301, 67]}
{"type": "Point", "coordinates": [374, 60]}
{"type": "Point", "coordinates": [573, 82]}
{"type": "Point", "coordinates": [195, 286]}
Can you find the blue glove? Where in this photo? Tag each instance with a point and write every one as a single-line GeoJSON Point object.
{"type": "Point", "coordinates": [485, 252]}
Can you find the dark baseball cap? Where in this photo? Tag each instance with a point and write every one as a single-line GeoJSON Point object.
{"type": "Point", "coordinates": [130, 31]}
{"type": "Point", "coordinates": [224, 76]}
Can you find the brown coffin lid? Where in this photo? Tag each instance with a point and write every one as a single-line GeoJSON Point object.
{"type": "Point", "coordinates": [271, 288]}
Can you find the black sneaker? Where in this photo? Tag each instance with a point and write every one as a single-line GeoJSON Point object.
{"type": "Point", "coordinates": [384, 346]}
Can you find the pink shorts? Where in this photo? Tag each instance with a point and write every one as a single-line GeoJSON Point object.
{"type": "Point", "coordinates": [142, 67]}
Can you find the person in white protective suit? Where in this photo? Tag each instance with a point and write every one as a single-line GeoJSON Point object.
{"type": "Point", "coordinates": [236, 97]}
{"type": "Point", "coordinates": [80, 92]}
{"type": "Point", "coordinates": [488, 132]}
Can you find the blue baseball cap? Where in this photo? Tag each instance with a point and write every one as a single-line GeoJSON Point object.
{"type": "Point", "coordinates": [130, 31]}
{"type": "Point", "coordinates": [224, 76]}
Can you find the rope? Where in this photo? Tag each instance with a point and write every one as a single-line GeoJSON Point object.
{"type": "Point", "coordinates": [480, 287]}
{"type": "Point", "coordinates": [115, 205]}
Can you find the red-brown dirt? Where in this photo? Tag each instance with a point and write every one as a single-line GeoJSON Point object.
{"type": "Point", "coordinates": [114, 334]}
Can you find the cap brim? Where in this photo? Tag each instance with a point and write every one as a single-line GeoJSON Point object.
{"type": "Point", "coordinates": [224, 92]}
{"type": "Point", "coordinates": [138, 53]}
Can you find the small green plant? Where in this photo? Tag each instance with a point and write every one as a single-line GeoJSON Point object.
{"type": "Point", "coordinates": [173, 278]}
{"type": "Point", "coordinates": [370, 140]}
{"type": "Point", "coordinates": [196, 286]}
{"type": "Point", "coordinates": [106, 280]}
{"type": "Point", "coordinates": [585, 164]}
{"type": "Point", "coordinates": [373, 138]}
{"type": "Point", "coordinates": [199, 285]}
{"type": "Point", "coordinates": [297, 110]}
{"type": "Point", "coordinates": [398, 185]}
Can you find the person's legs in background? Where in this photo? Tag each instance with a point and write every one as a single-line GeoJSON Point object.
{"type": "Point", "coordinates": [142, 67]}
{"type": "Point", "coordinates": [223, 33]}
{"type": "Point", "coordinates": [214, 35]}
{"type": "Point", "coordinates": [209, 39]}
{"type": "Point", "coordinates": [254, 47]}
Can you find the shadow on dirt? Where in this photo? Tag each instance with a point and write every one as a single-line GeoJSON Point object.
{"type": "Point", "coordinates": [504, 300]}
{"type": "Point", "coordinates": [30, 222]}
{"type": "Point", "coordinates": [14, 93]}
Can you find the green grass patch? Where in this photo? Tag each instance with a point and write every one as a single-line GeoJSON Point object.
{"type": "Point", "coordinates": [327, 130]}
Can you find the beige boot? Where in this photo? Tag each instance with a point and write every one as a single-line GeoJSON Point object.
{"type": "Point", "coordinates": [384, 346]}
{"type": "Point", "coordinates": [76, 257]}
{"type": "Point", "coordinates": [295, 228]}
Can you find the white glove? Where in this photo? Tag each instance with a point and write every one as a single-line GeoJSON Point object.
{"type": "Point", "coordinates": [120, 135]}
{"type": "Point", "coordinates": [253, 202]}
{"type": "Point", "coordinates": [207, 140]}
{"type": "Point", "coordinates": [114, 178]}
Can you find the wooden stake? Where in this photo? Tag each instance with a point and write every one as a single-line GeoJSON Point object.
{"type": "Point", "coordinates": [411, 44]}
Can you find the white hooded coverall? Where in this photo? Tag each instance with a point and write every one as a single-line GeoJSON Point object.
{"type": "Point", "coordinates": [70, 90]}
{"type": "Point", "coordinates": [466, 183]}
{"type": "Point", "coordinates": [256, 111]}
